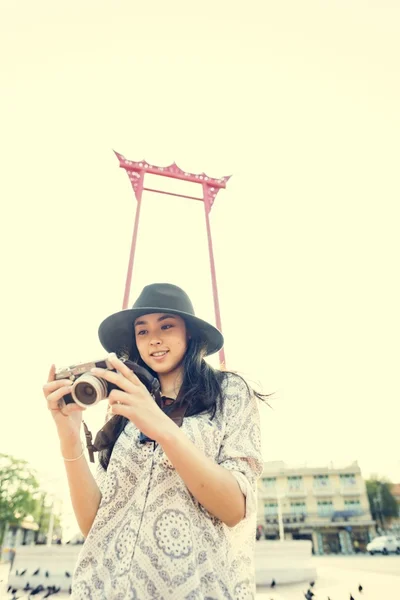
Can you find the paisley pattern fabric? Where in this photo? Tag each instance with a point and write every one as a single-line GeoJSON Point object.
{"type": "Point", "coordinates": [151, 539]}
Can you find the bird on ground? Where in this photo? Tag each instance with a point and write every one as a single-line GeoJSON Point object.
{"type": "Point", "coordinates": [360, 588]}
{"type": "Point", "coordinates": [312, 583]}
{"type": "Point", "coordinates": [351, 597]}
{"type": "Point", "coordinates": [46, 574]}
{"type": "Point", "coordinates": [67, 574]}
{"type": "Point", "coordinates": [26, 588]}
{"type": "Point", "coordinates": [37, 590]}
{"type": "Point", "coordinates": [36, 572]}
{"type": "Point", "coordinates": [51, 590]}
{"type": "Point", "coordinates": [22, 573]}
{"type": "Point", "coordinates": [273, 583]}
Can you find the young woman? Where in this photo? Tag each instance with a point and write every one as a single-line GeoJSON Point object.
{"type": "Point", "coordinates": [173, 518]}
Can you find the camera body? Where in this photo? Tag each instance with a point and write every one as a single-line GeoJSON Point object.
{"type": "Point", "coordinates": [88, 389]}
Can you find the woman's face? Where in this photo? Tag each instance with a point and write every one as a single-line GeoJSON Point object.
{"type": "Point", "coordinates": [161, 339]}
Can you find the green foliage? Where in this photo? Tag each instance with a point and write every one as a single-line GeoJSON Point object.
{"type": "Point", "coordinates": [18, 491]}
{"type": "Point", "coordinates": [381, 500]}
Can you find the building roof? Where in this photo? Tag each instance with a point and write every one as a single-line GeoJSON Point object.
{"type": "Point", "coordinates": [276, 468]}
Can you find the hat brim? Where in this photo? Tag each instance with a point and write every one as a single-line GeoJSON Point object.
{"type": "Point", "coordinates": [116, 332]}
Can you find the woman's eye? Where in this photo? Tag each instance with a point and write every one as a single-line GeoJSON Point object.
{"type": "Point", "coordinates": [166, 326]}
{"type": "Point", "coordinates": [142, 332]}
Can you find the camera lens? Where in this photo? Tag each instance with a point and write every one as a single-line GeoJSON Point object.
{"type": "Point", "coordinates": [89, 390]}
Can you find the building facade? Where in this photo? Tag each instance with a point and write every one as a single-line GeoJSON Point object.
{"type": "Point", "coordinates": [395, 521]}
{"type": "Point", "coordinates": [328, 506]}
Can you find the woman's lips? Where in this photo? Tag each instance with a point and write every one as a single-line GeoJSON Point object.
{"type": "Point", "coordinates": [158, 356]}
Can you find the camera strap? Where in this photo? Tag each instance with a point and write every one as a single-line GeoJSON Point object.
{"type": "Point", "coordinates": [89, 442]}
{"type": "Point", "coordinates": [106, 436]}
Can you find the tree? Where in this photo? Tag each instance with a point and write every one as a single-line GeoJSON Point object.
{"type": "Point", "coordinates": [18, 491]}
{"type": "Point", "coordinates": [382, 503]}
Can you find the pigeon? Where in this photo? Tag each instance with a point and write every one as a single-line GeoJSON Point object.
{"type": "Point", "coordinates": [36, 572]}
{"type": "Point", "coordinates": [51, 590]}
{"type": "Point", "coordinates": [273, 583]}
{"type": "Point", "coordinates": [26, 588]}
{"type": "Point", "coordinates": [22, 572]}
{"type": "Point", "coordinates": [312, 583]}
{"type": "Point", "coordinates": [309, 595]}
{"type": "Point", "coordinates": [360, 588]}
{"type": "Point", "coordinates": [67, 574]}
{"type": "Point", "coordinates": [37, 590]}
{"type": "Point", "coordinates": [46, 574]}
{"type": "Point", "coordinates": [351, 597]}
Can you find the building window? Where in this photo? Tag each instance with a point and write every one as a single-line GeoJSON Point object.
{"type": "Point", "coordinates": [348, 480]}
{"type": "Point", "coordinates": [353, 505]}
{"type": "Point", "coordinates": [270, 509]}
{"type": "Point", "coordinates": [295, 482]}
{"type": "Point", "coordinates": [321, 482]}
{"type": "Point", "coordinates": [298, 508]}
{"type": "Point", "coordinates": [325, 509]}
{"type": "Point", "coordinates": [269, 483]}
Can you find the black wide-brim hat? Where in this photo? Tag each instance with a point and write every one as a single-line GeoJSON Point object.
{"type": "Point", "coordinates": [117, 333]}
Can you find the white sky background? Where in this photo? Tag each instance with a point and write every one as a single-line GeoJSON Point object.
{"type": "Point", "coordinates": [299, 101]}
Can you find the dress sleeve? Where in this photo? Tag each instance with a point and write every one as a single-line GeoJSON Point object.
{"type": "Point", "coordinates": [240, 450]}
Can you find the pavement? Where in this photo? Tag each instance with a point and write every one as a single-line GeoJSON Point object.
{"type": "Point", "coordinates": [338, 577]}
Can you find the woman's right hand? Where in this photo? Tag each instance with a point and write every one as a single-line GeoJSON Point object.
{"type": "Point", "coordinates": [68, 417]}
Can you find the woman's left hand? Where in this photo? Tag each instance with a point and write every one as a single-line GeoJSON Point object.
{"type": "Point", "coordinates": [133, 400]}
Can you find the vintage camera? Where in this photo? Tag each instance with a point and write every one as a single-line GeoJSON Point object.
{"type": "Point", "coordinates": [88, 389]}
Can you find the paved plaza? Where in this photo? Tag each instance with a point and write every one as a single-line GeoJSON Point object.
{"type": "Point", "coordinates": [338, 577]}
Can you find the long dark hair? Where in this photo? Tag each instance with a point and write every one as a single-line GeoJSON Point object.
{"type": "Point", "coordinates": [201, 387]}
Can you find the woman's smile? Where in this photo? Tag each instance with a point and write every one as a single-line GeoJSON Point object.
{"type": "Point", "coordinates": [158, 356]}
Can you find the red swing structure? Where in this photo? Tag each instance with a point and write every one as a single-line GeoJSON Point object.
{"type": "Point", "coordinates": [210, 186]}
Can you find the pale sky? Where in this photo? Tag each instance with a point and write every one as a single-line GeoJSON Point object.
{"type": "Point", "coordinates": [299, 101]}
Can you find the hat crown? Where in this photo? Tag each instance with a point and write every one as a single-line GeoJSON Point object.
{"type": "Point", "coordinates": [164, 296]}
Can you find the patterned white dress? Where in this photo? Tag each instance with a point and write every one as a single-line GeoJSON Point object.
{"type": "Point", "coordinates": [151, 539]}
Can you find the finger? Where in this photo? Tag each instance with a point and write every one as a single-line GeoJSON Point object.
{"type": "Point", "coordinates": [119, 397]}
{"type": "Point", "coordinates": [122, 368]}
{"type": "Point", "coordinates": [121, 409]}
{"type": "Point", "coordinates": [116, 378]}
{"type": "Point", "coordinates": [67, 409]}
{"type": "Point", "coordinates": [52, 386]}
{"type": "Point", "coordinates": [52, 373]}
{"type": "Point", "coordinates": [54, 398]}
